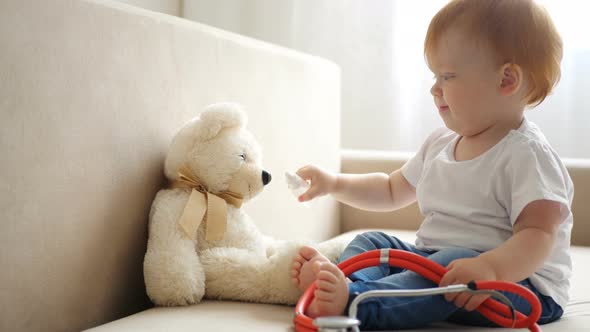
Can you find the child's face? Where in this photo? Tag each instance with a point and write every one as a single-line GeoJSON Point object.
{"type": "Point", "coordinates": [466, 91]}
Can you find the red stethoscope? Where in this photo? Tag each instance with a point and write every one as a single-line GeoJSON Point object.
{"type": "Point", "coordinates": [500, 312]}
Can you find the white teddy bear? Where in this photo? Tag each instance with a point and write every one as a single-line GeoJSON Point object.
{"type": "Point", "coordinates": [200, 242]}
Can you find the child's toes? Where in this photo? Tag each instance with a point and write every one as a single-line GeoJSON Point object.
{"type": "Point", "coordinates": [307, 253]}
{"type": "Point", "coordinates": [299, 259]}
{"type": "Point", "coordinates": [325, 285]}
{"type": "Point", "coordinates": [295, 270]}
{"type": "Point", "coordinates": [330, 275]}
{"type": "Point", "coordinates": [330, 269]}
{"type": "Point", "coordinates": [316, 267]}
{"type": "Point", "coordinates": [323, 295]}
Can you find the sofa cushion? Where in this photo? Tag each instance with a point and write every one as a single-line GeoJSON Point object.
{"type": "Point", "coordinates": [214, 316]}
{"type": "Point", "coordinates": [91, 93]}
{"type": "Point", "coordinates": [221, 316]}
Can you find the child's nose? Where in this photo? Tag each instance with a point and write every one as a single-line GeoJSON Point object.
{"type": "Point", "coordinates": [436, 90]}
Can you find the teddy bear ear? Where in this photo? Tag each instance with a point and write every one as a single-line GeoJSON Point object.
{"type": "Point", "coordinates": [207, 125]}
{"type": "Point", "coordinates": [180, 146]}
{"type": "Point", "coordinates": [219, 116]}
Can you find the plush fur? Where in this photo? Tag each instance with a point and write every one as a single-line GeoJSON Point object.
{"type": "Point", "coordinates": [245, 265]}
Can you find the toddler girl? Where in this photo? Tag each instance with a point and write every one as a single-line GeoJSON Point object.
{"type": "Point", "coordinates": [496, 197]}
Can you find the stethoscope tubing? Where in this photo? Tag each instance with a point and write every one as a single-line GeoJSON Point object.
{"type": "Point", "coordinates": [495, 311]}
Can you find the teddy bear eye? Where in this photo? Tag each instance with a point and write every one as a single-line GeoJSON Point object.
{"type": "Point", "coordinates": [243, 156]}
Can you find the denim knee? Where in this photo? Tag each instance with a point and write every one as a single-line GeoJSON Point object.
{"type": "Point", "coordinates": [374, 237]}
{"type": "Point", "coordinates": [445, 256]}
{"type": "Point", "coordinates": [365, 242]}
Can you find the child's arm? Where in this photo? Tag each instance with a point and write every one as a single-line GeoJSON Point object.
{"type": "Point", "coordinates": [516, 259]}
{"type": "Point", "coordinates": [373, 191]}
{"type": "Point", "coordinates": [534, 235]}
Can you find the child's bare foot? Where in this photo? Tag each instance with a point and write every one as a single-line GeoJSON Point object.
{"type": "Point", "coordinates": [302, 273]}
{"type": "Point", "coordinates": [331, 295]}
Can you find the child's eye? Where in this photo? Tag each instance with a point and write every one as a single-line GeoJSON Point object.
{"type": "Point", "coordinates": [243, 156]}
{"type": "Point", "coordinates": [444, 77]}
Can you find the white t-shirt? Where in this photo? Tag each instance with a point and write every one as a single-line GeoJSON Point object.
{"type": "Point", "coordinates": [474, 203]}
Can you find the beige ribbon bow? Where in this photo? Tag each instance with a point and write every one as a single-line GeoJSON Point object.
{"type": "Point", "coordinates": [204, 206]}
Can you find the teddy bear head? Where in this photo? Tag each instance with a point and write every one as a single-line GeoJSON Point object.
{"type": "Point", "coordinates": [220, 151]}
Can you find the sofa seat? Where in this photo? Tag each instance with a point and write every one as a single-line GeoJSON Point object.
{"type": "Point", "coordinates": [222, 316]}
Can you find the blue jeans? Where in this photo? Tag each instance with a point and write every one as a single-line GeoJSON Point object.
{"type": "Point", "coordinates": [414, 312]}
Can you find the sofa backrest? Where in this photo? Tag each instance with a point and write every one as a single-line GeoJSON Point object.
{"type": "Point", "coordinates": [410, 217]}
{"type": "Point", "coordinates": [91, 92]}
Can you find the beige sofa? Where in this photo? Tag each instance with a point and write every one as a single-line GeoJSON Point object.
{"type": "Point", "coordinates": [91, 93]}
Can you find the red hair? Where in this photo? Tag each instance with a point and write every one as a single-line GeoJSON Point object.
{"type": "Point", "coordinates": [520, 32]}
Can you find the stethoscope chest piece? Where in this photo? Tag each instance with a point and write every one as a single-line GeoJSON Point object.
{"type": "Point", "coordinates": [336, 324]}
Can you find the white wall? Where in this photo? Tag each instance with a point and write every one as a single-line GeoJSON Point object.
{"type": "Point", "coordinates": [348, 32]}
{"type": "Point", "coordinates": [385, 94]}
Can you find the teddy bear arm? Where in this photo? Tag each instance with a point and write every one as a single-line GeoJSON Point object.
{"type": "Point", "coordinates": [173, 271]}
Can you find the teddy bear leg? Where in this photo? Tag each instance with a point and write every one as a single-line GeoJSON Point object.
{"type": "Point", "coordinates": [240, 274]}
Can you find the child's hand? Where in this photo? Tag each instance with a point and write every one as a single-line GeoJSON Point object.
{"type": "Point", "coordinates": [322, 182]}
{"type": "Point", "coordinates": [462, 271]}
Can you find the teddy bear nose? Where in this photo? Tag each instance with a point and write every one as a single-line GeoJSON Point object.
{"type": "Point", "coordinates": [266, 177]}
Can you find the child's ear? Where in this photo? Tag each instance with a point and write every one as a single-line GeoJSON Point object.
{"type": "Point", "coordinates": [512, 79]}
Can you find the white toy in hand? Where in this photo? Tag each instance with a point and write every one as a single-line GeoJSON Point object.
{"type": "Point", "coordinates": [297, 185]}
